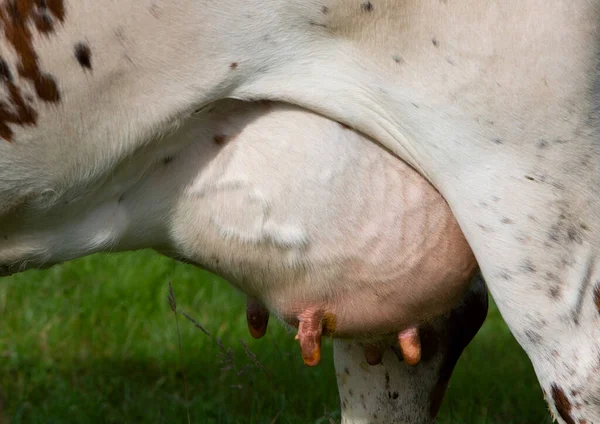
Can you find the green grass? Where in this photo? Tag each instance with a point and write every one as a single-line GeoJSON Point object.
{"type": "Point", "coordinates": [94, 341]}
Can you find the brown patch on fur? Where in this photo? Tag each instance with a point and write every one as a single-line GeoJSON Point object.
{"type": "Point", "coordinates": [220, 139]}
{"type": "Point", "coordinates": [20, 113]}
{"type": "Point", "coordinates": [233, 65]}
{"type": "Point", "coordinates": [15, 19]}
{"type": "Point", "coordinates": [562, 404]}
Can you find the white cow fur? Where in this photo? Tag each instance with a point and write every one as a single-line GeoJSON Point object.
{"type": "Point", "coordinates": [494, 102]}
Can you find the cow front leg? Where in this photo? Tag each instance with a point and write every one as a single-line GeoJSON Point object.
{"type": "Point", "coordinates": [394, 392]}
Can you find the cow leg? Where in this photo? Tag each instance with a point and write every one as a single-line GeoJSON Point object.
{"type": "Point", "coordinates": [394, 392]}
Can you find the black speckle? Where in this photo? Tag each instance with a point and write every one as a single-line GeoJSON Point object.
{"type": "Point", "coordinates": [324, 10]}
{"type": "Point", "coordinates": [351, 392]}
{"type": "Point", "coordinates": [415, 105]}
{"type": "Point", "coordinates": [528, 267]}
{"type": "Point", "coordinates": [398, 59]}
{"type": "Point", "coordinates": [5, 73]}
{"type": "Point", "coordinates": [507, 221]}
{"type": "Point", "coordinates": [542, 144]}
{"type": "Point", "coordinates": [346, 370]}
{"type": "Point", "coordinates": [574, 235]}
{"type": "Point", "coordinates": [367, 6]}
{"type": "Point", "coordinates": [395, 395]}
{"type": "Point", "coordinates": [121, 198]}
{"type": "Point", "coordinates": [533, 337]}
{"type": "Point", "coordinates": [497, 141]}
{"type": "Point", "coordinates": [529, 178]}
{"type": "Point", "coordinates": [233, 65]}
{"type": "Point", "coordinates": [318, 24]}
{"type": "Point", "coordinates": [167, 160]}
{"type": "Point", "coordinates": [554, 292]}
{"type": "Point", "coordinates": [387, 377]}
{"type": "Point", "coordinates": [554, 233]}
{"type": "Point", "coordinates": [83, 55]}
{"type": "Point", "coordinates": [435, 42]}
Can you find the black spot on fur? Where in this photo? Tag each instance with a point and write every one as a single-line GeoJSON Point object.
{"type": "Point", "coordinates": [497, 141]}
{"type": "Point", "coordinates": [435, 42]}
{"type": "Point", "coordinates": [324, 10]}
{"type": "Point", "coordinates": [5, 73]}
{"type": "Point", "coordinates": [83, 55]}
{"type": "Point", "coordinates": [367, 6]}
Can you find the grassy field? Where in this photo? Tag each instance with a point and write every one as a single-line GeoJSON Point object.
{"type": "Point", "coordinates": [94, 341]}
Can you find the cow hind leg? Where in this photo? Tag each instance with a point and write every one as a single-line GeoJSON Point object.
{"type": "Point", "coordinates": [394, 392]}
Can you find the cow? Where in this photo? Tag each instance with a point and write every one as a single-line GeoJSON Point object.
{"type": "Point", "coordinates": [281, 202]}
{"type": "Point", "coordinates": [494, 103]}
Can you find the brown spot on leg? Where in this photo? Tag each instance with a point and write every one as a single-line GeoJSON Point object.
{"type": "Point", "coordinates": [257, 317]}
{"type": "Point", "coordinates": [562, 404]}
